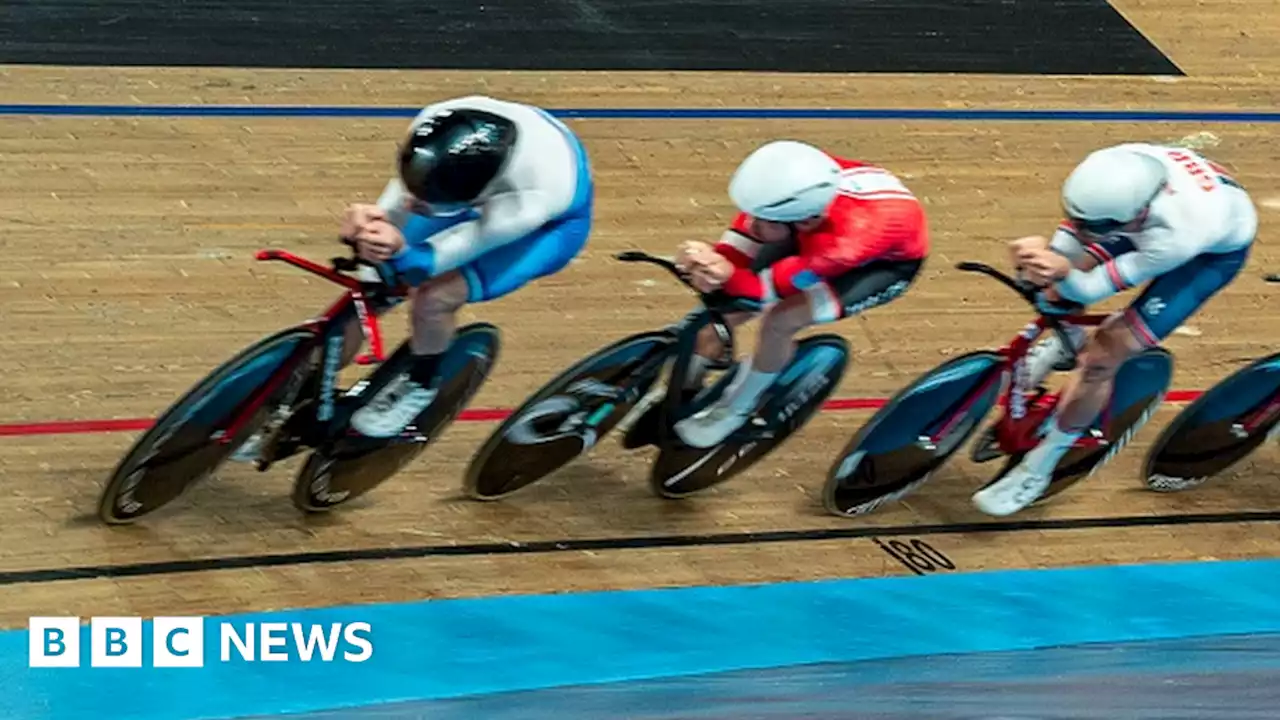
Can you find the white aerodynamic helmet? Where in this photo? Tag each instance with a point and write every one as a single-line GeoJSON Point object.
{"type": "Point", "coordinates": [785, 181]}
{"type": "Point", "coordinates": [1111, 188]}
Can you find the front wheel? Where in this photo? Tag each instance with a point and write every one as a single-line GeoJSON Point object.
{"type": "Point", "coordinates": [1222, 426]}
{"type": "Point", "coordinates": [184, 447]}
{"type": "Point", "coordinates": [568, 416]}
{"type": "Point", "coordinates": [917, 431]}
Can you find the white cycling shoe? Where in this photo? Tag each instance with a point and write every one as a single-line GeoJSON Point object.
{"type": "Point", "coordinates": [711, 426]}
{"type": "Point", "coordinates": [1015, 491]}
{"type": "Point", "coordinates": [389, 412]}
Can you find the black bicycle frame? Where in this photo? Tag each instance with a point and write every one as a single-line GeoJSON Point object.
{"type": "Point", "coordinates": [686, 333]}
{"type": "Point", "coordinates": [714, 307]}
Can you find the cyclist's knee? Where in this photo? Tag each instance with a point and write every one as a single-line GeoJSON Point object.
{"type": "Point", "coordinates": [787, 318]}
{"type": "Point", "coordinates": [1097, 365]}
{"type": "Point", "coordinates": [1106, 351]}
{"type": "Point", "coordinates": [708, 343]}
{"type": "Point", "coordinates": [444, 295]}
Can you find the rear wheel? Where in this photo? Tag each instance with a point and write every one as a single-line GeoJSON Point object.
{"type": "Point", "coordinates": [568, 416]}
{"type": "Point", "coordinates": [183, 447]}
{"type": "Point", "coordinates": [353, 465]}
{"type": "Point", "coordinates": [891, 455]}
{"type": "Point", "coordinates": [1225, 424]}
{"type": "Point", "coordinates": [1140, 386]}
{"type": "Point", "coordinates": [798, 393]}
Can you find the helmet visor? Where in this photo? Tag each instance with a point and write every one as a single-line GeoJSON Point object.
{"type": "Point", "coordinates": [1097, 227]}
{"type": "Point", "coordinates": [437, 209]}
{"type": "Point", "coordinates": [1100, 227]}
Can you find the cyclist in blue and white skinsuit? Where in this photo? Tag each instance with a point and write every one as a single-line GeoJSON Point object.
{"type": "Point", "coordinates": [490, 196]}
{"type": "Point", "coordinates": [1136, 213]}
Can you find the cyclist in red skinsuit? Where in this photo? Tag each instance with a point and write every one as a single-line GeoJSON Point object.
{"type": "Point", "coordinates": [818, 238]}
{"type": "Point", "coordinates": [873, 218]}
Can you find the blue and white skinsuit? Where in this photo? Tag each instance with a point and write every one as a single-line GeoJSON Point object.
{"type": "Point", "coordinates": [530, 222]}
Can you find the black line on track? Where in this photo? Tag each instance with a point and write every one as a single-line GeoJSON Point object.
{"type": "Point", "coordinates": [47, 575]}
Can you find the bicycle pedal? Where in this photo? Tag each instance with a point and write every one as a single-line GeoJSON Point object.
{"type": "Point", "coordinates": [754, 429]}
{"type": "Point", "coordinates": [755, 436]}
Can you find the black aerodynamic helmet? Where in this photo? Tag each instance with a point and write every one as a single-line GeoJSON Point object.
{"type": "Point", "coordinates": [453, 155]}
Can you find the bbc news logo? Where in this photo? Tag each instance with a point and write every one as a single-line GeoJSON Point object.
{"type": "Point", "coordinates": [179, 642]}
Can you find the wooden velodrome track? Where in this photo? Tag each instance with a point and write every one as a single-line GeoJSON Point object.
{"type": "Point", "coordinates": [128, 274]}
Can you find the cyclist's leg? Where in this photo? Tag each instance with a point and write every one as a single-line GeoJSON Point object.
{"type": "Point", "coordinates": [1049, 354]}
{"type": "Point", "coordinates": [709, 347]}
{"type": "Point", "coordinates": [511, 267]}
{"type": "Point", "coordinates": [416, 230]}
{"type": "Point", "coordinates": [1167, 302]}
{"type": "Point", "coordinates": [642, 422]}
{"type": "Point", "coordinates": [435, 304]}
{"type": "Point", "coordinates": [854, 292]}
{"type": "Point", "coordinates": [353, 339]}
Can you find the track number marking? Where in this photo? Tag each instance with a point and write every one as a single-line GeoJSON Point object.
{"type": "Point", "coordinates": [917, 556]}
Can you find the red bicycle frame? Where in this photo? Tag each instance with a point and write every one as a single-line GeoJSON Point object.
{"type": "Point", "coordinates": [355, 295]}
{"type": "Point", "coordinates": [1016, 431]}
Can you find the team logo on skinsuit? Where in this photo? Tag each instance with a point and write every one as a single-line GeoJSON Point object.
{"type": "Point", "coordinates": [881, 298]}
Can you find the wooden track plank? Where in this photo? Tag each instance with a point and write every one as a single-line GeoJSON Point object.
{"type": "Point", "coordinates": [167, 268]}
{"type": "Point", "coordinates": [1226, 88]}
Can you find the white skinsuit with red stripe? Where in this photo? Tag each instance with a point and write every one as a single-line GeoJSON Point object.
{"type": "Point", "coordinates": [1201, 210]}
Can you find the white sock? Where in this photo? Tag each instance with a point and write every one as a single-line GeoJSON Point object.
{"type": "Point", "coordinates": [747, 387]}
{"type": "Point", "coordinates": [697, 371]}
{"type": "Point", "coordinates": [1043, 357]}
{"type": "Point", "coordinates": [1044, 457]}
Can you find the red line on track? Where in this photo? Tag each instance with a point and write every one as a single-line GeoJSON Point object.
{"type": "Point", "coordinates": [75, 427]}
